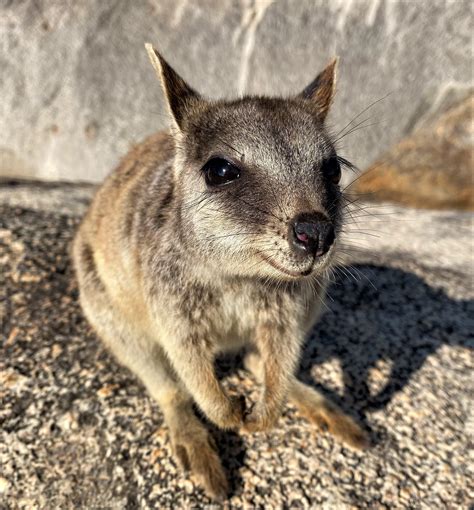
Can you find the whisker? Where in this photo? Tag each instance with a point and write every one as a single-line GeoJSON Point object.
{"type": "Point", "coordinates": [371, 105]}
{"type": "Point", "coordinates": [358, 127]}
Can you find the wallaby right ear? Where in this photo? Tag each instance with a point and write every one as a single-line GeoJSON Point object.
{"type": "Point", "coordinates": [322, 89]}
{"type": "Point", "coordinates": [177, 92]}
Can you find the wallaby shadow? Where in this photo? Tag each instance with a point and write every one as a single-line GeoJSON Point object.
{"type": "Point", "coordinates": [390, 316]}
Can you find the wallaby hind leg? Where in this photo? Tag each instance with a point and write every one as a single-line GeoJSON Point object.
{"type": "Point", "coordinates": [192, 444]}
{"type": "Point", "coordinates": [315, 407]}
{"type": "Point", "coordinates": [195, 449]}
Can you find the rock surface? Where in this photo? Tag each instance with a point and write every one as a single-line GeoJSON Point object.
{"type": "Point", "coordinates": [433, 168]}
{"type": "Point", "coordinates": [78, 431]}
{"type": "Point", "coordinates": [77, 88]}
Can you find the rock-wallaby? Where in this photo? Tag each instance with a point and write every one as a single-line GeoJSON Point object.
{"type": "Point", "coordinates": [214, 236]}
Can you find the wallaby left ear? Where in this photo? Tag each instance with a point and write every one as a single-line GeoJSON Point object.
{"type": "Point", "coordinates": [322, 89]}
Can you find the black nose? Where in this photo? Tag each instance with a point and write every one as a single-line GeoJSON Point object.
{"type": "Point", "coordinates": [311, 233]}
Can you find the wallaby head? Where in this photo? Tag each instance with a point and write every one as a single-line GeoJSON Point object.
{"type": "Point", "coordinates": [257, 179]}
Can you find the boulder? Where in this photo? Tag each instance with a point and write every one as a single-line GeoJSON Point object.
{"type": "Point", "coordinates": [430, 169]}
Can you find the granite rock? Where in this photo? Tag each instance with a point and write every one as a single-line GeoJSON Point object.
{"type": "Point", "coordinates": [395, 348]}
{"type": "Point", "coordinates": [433, 168]}
{"type": "Point", "coordinates": [77, 88]}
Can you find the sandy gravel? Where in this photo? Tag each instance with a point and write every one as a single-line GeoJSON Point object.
{"type": "Point", "coordinates": [395, 348]}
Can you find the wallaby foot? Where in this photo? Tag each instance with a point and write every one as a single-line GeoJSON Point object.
{"type": "Point", "coordinates": [326, 415]}
{"type": "Point", "coordinates": [195, 450]}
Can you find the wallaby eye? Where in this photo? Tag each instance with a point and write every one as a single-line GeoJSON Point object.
{"type": "Point", "coordinates": [219, 171]}
{"type": "Point", "coordinates": [332, 169]}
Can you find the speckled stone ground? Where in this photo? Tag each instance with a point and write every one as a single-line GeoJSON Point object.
{"type": "Point", "coordinates": [78, 431]}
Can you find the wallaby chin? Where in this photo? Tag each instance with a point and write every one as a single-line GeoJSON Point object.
{"type": "Point", "coordinates": [185, 247]}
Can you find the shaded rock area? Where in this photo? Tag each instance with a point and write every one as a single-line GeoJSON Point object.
{"type": "Point", "coordinates": [77, 88]}
{"type": "Point", "coordinates": [433, 168]}
{"type": "Point", "coordinates": [395, 348]}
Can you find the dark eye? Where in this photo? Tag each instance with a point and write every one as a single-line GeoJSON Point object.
{"type": "Point", "coordinates": [332, 169]}
{"type": "Point", "coordinates": [219, 171]}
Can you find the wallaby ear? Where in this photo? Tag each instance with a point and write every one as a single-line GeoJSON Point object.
{"type": "Point", "coordinates": [322, 89]}
{"type": "Point", "coordinates": [177, 92]}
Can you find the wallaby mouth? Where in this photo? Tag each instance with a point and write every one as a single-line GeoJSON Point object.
{"type": "Point", "coordinates": [294, 274]}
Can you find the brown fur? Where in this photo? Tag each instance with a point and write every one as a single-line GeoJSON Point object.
{"type": "Point", "coordinates": [172, 273]}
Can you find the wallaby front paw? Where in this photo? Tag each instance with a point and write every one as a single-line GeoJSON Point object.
{"type": "Point", "coordinates": [260, 418]}
{"type": "Point", "coordinates": [231, 415]}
